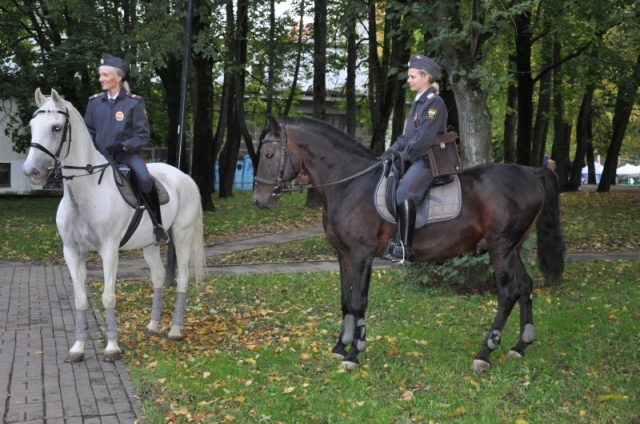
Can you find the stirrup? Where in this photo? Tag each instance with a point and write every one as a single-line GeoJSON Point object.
{"type": "Point", "coordinates": [396, 252]}
{"type": "Point", "coordinates": [160, 236]}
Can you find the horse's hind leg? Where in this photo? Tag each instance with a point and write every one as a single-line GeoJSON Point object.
{"type": "Point", "coordinates": [152, 256]}
{"type": "Point", "coordinates": [182, 239]}
{"type": "Point", "coordinates": [508, 277]}
{"type": "Point", "coordinates": [527, 329]}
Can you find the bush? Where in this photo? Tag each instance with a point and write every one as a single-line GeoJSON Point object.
{"type": "Point", "coordinates": [467, 271]}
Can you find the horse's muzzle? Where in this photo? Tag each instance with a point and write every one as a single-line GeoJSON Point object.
{"type": "Point", "coordinates": [268, 204]}
{"type": "Point", "coordinates": [34, 174]}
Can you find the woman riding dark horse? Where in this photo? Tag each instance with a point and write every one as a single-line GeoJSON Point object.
{"type": "Point", "coordinates": [500, 204]}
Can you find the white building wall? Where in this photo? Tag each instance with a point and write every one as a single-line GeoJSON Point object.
{"type": "Point", "coordinates": [19, 183]}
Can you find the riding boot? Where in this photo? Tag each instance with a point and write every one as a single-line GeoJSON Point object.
{"type": "Point", "coordinates": [160, 236]}
{"type": "Point", "coordinates": [402, 250]}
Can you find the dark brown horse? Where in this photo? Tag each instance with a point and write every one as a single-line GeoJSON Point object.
{"type": "Point", "coordinates": [500, 205]}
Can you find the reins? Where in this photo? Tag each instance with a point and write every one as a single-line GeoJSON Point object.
{"type": "Point", "coordinates": [280, 187]}
{"type": "Point", "coordinates": [57, 165]}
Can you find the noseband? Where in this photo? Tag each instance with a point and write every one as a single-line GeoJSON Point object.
{"type": "Point", "coordinates": [279, 186]}
{"type": "Point", "coordinates": [57, 166]}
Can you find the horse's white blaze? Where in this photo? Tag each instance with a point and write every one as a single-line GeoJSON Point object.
{"type": "Point", "coordinates": [94, 217]}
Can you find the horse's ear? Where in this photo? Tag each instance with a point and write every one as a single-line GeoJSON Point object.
{"type": "Point", "coordinates": [40, 99]}
{"type": "Point", "coordinates": [273, 124]}
{"type": "Point", "coordinates": [57, 100]}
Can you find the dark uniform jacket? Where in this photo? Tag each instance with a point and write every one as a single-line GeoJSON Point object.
{"type": "Point", "coordinates": [428, 118]}
{"type": "Point", "coordinates": [124, 121]}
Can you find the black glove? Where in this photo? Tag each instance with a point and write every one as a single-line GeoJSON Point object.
{"type": "Point", "coordinates": [388, 155]}
{"type": "Point", "coordinates": [115, 149]}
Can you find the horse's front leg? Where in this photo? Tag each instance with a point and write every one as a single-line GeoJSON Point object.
{"type": "Point", "coordinates": [355, 275]}
{"type": "Point", "coordinates": [112, 352]}
{"type": "Point", "coordinates": [77, 263]}
{"type": "Point", "coordinates": [152, 256]}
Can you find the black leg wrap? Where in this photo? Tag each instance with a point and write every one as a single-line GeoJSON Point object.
{"type": "Point", "coordinates": [360, 336]}
{"type": "Point", "coordinates": [493, 339]}
{"type": "Point", "coordinates": [339, 350]}
{"type": "Point", "coordinates": [352, 357]}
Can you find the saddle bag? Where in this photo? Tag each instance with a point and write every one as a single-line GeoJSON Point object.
{"type": "Point", "coordinates": [443, 155]}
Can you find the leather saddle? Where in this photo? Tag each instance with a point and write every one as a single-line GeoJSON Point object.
{"type": "Point", "coordinates": [442, 202]}
{"type": "Point", "coordinates": [123, 180]}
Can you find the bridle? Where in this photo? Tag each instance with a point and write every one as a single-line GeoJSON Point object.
{"type": "Point", "coordinates": [57, 165]}
{"type": "Point", "coordinates": [280, 187]}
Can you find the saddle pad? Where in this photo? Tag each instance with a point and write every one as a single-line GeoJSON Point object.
{"type": "Point", "coordinates": [124, 186]}
{"type": "Point", "coordinates": [441, 203]}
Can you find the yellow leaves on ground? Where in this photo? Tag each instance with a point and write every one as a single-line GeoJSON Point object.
{"type": "Point", "coordinates": [289, 389]}
{"type": "Point", "coordinates": [607, 398]}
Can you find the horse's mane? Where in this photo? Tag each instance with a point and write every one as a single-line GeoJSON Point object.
{"type": "Point", "coordinates": [335, 135]}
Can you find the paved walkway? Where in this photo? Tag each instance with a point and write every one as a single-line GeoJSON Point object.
{"type": "Point", "coordinates": [37, 328]}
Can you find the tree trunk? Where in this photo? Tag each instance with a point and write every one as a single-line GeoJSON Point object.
{"type": "Point", "coordinates": [525, 86]}
{"type": "Point", "coordinates": [541, 127]}
{"type": "Point", "coordinates": [627, 88]}
{"type": "Point", "coordinates": [203, 141]}
{"type": "Point", "coordinates": [511, 117]}
{"type": "Point", "coordinates": [319, 78]}
{"type": "Point", "coordinates": [296, 72]}
{"type": "Point", "coordinates": [170, 77]}
{"type": "Point", "coordinates": [229, 154]}
{"type": "Point", "coordinates": [560, 151]}
{"type": "Point", "coordinates": [352, 59]}
{"type": "Point", "coordinates": [582, 139]}
{"type": "Point", "coordinates": [475, 122]}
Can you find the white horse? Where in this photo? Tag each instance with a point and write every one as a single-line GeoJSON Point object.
{"type": "Point", "coordinates": [93, 216]}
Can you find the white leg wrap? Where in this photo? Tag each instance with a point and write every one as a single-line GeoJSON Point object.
{"type": "Point", "coordinates": [348, 327]}
{"type": "Point", "coordinates": [529, 333]}
{"type": "Point", "coordinates": [112, 325]}
{"type": "Point", "coordinates": [82, 329]}
{"type": "Point", "coordinates": [178, 315]}
{"type": "Point", "coordinates": [156, 308]}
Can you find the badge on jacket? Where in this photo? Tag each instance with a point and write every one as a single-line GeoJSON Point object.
{"type": "Point", "coordinates": [119, 116]}
{"type": "Point", "coordinates": [432, 113]}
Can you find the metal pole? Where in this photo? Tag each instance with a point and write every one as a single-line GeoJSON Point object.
{"type": "Point", "coordinates": [171, 252]}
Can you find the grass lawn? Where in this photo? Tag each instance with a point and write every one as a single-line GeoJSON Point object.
{"type": "Point", "coordinates": [258, 350]}
{"type": "Point", "coordinates": [591, 222]}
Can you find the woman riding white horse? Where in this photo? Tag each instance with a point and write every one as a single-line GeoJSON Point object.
{"type": "Point", "coordinates": [93, 216]}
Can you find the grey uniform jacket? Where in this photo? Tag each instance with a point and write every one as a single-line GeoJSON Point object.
{"type": "Point", "coordinates": [428, 118]}
{"type": "Point", "coordinates": [124, 121]}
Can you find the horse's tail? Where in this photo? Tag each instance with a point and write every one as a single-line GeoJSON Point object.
{"type": "Point", "coordinates": [550, 241]}
{"type": "Point", "coordinates": [197, 258]}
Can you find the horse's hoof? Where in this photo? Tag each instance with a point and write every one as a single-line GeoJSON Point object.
{"type": "Point", "coordinates": [337, 356]}
{"type": "Point", "coordinates": [513, 354]}
{"type": "Point", "coordinates": [111, 356]}
{"type": "Point", "coordinates": [479, 365]}
{"type": "Point", "coordinates": [175, 338]}
{"type": "Point", "coordinates": [74, 357]}
{"type": "Point", "coordinates": [149, 333]}
{"type": "Point", "coordinates": [349, 366]}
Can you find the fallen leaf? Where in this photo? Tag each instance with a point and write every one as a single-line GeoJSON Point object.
{"type": "Point", "coordinates": [289, 389]}
{"type": "Point", "coordinates": [238, 399]}
{"type": "Point", "coordinates": [459, 411]}
{"type": "Point", "coordinates": [162, 380]}
{"type": "Point", "coordinates": [407, 396]}
{"type": "Point", "coordinates": [606, 398]}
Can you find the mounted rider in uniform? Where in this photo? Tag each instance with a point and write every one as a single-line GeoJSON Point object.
{"type": "Point", "coordinates": [427, 119]}
{"type": "Point", "coordinates": [117, 122]}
